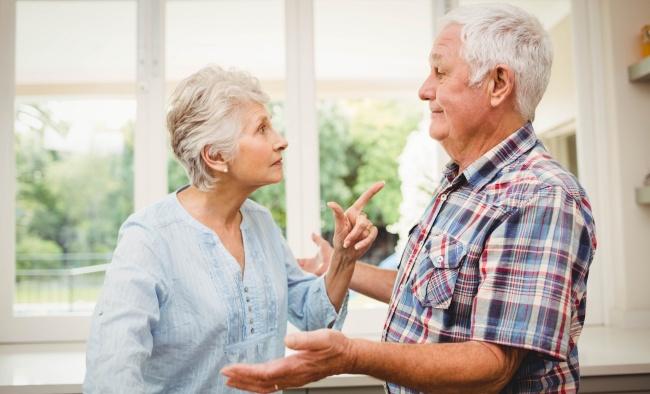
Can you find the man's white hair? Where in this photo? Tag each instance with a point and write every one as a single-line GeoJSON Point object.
{"type": "Point", "coordinates": [501, 33]}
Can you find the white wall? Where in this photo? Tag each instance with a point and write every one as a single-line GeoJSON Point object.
{"type": "Point", "coordinates": [629, 122]}
{"type": "Point", "coordinates": [558, 104]}
{"type": "Point", "coordinates": [613, 130]}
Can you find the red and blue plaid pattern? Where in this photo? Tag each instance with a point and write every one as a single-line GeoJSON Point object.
{"type": "Point", "coordinates": [501, 255]}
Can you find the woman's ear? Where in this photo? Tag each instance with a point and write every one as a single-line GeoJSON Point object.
{"type": "Point", "coordinates": [216, 163]}
{"type": "Point", "coordinates": [502, 84]}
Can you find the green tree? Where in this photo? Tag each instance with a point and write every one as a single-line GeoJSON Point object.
{"type": "Point", "coordinates": [337, 159]}
{"type": "Point", "coordinates": [379, 132]}
{"type": "Point", "coordinates": [74, 201]}
{"type": "Point", "coordinates": [360, 141]}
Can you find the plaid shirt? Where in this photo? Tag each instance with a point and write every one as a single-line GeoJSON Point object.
{"type": "Point", "coordinates": [501, 255]}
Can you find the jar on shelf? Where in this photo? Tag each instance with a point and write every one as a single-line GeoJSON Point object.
{"type": "Point", "coordinates": [645, 40]}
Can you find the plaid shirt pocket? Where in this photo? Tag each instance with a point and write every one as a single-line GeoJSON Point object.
{"type": "Point", "coordinates": [436, 273]}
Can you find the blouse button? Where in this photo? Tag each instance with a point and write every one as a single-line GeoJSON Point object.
{"type": "Point", "coordinates": [252, 331]}
{"type": "Point", "coordinates": [248, 299]}
{"type": "Point", "coordinates": [251, 320]}
{"type": "Point", "coordinates": [246, 289]}
{"type": "Point", "coordinates": [250, 308]}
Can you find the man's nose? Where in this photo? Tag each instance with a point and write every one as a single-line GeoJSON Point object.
{"type": "Point", "coordinates": [428, 89]}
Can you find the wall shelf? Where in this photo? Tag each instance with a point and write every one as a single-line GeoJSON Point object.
{"type": "Point", "coordinates": [640, 71]}
{"type": "Point", "coordinates": [643, 195]}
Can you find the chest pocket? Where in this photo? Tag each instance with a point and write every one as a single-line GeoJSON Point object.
{"type": "Point", "coordinates": [437, 270]}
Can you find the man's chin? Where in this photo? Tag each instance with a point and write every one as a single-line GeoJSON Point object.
{"type": "Point", "coordinates": [438, 133]}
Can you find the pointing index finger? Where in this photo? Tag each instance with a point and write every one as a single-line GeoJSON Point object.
{"type": "Point", "coordinates": [366, 197]}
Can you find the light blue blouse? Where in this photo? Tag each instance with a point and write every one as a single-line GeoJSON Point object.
{"type": "Point", "coordinates": [175, 310]}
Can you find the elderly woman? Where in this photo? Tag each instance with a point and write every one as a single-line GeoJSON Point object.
{"type": "Point", "coordinates": [204, 277]}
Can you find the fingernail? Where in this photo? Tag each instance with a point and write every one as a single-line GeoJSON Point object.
{"type": "Point", "coordinates": [357, 247]}
{"type": "Point", "coordinates": [345, 244]}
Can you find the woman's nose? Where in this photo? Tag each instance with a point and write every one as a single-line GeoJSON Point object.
{"type": "Point", "coordinates": [281, 143]}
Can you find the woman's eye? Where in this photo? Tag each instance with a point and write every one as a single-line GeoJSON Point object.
{"type": "Point", "coordinates": [262, 129]}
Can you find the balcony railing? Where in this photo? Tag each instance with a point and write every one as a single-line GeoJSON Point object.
{"type": "Point", "coordinates": [70, 288]}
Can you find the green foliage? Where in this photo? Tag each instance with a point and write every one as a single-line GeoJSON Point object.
{"type": "Point", "coordinates": [337, 169]}
{"type": "Point", "coordinates": [359, 143]}
{"type": "Point", "coordinates": [176, 175]}
{"type": "Point", "coordinates": [370, 137]}
{"type": "Point", "coordinates": [75, 203]}
{"type": "Point", "coordinates": [273, 197]}
{"type": "Point", "coordinates": [30, 245]}
{"type": "Point", "coordinates": [67, 203]}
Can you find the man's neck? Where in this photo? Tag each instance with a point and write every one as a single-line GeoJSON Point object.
{"type": "Point", "coordinates": [499, 132]}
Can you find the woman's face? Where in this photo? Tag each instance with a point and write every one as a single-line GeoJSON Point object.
{"type": "Point", "coordinates": [259, 159]}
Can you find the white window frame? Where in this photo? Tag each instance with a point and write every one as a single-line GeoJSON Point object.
{"type": "Point", "coordinates": [302, 175]}
{"type": "Point", "coordinates": [150, 164]}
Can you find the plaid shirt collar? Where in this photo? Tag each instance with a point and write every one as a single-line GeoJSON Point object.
{"type": "Point", "coordinates": [487, 166]}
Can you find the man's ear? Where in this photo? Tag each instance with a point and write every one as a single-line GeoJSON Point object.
{"type": "Point", "coordinates": [216, 163]}
{"type": "Point", "coordinates": [502, 84]}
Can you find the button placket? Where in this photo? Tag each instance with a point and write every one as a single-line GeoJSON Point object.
{"type": "Point", "coordinates": [251, 320]}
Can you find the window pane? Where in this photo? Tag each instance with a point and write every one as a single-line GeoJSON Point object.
{"type": "Point", "coordinates": [370, 61]}
{"type": "Point", "coordinates": [246, 35]}
{"type": "Point", "coordinates": [75, 111]}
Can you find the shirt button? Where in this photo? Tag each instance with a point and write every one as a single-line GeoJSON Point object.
{"type": "Point", "coordinates": [401, 287]}
{"type": "Point", "coordinates": [440, 259]}
{"type": "Point", "coordinates": [443, 197]}
{"type": "Point", "coordinates": [246, 289]}
{"type": "Point", "coordinates": [248, 299]}
{"type": "Point", "coordinates": [251, 320]}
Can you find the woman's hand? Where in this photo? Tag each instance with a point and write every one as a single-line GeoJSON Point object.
{"type": "Point", "coordinates": [353, 219]}
{"type": "Point", "coordinates": [354, 233]}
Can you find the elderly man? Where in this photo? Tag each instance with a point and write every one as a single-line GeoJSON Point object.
{"type": "Point", "coordinates": [490, 294]}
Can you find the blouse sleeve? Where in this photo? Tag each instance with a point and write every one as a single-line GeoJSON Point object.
{"type": "Point", "coordinates": [120, 339]}
{"type": "Point", "coordinates": [310, 307]}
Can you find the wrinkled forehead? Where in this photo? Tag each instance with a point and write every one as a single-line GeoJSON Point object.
{"type": "Point", "coordinates": [447, 44]}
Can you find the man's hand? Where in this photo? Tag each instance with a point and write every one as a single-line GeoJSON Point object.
{"type": "Point", "coordinates": [320, 353]}
{"type": "Point", "coordinates": [318, 264]}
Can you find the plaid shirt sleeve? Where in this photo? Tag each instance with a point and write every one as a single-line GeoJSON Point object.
{"type": "Point", "coordinates": [525, 298]}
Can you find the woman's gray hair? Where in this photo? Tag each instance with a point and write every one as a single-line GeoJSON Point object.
{"type": "Point", "coordinates": [205, 110]}
{"type": "Point", "coordinates": [501, 33]}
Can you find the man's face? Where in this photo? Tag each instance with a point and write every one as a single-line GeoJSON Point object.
{"type": "Point", "coordinates": [456, 109]}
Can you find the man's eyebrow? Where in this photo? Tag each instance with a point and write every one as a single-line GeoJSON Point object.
{"type": "Point", "coordinates": [435, 59]}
